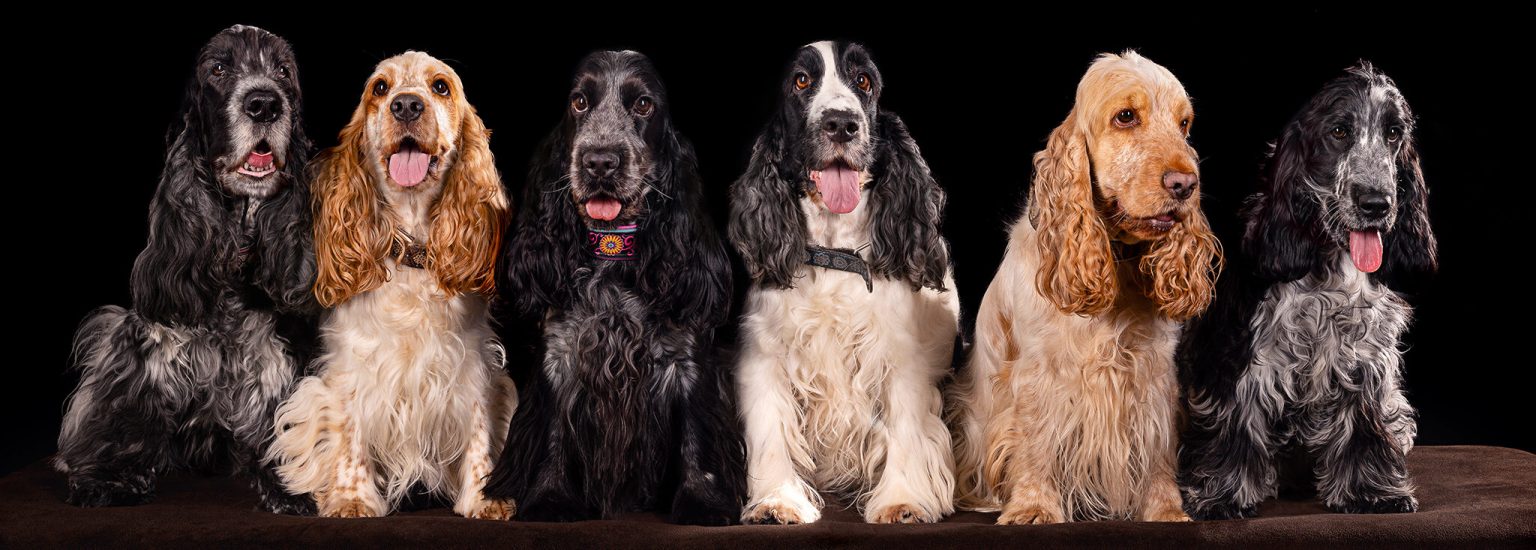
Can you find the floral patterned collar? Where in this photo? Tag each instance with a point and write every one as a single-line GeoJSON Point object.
{"type": "Point", "coordinates": [617, 244]}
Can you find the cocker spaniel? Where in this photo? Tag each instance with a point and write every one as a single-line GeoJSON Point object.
{"type": "Point", "coordinates": [410, 388]}
{"type": "Point", "coordinates": [1068, 407]}
{"type": "Point", "coordinates": [1298, 362]}
{"type": "Point", "coordinates": [222, 317]}
{"type": "Point", "coordinates": [851, 318]}
{"type": "Point", "coordinates": [615, 253]}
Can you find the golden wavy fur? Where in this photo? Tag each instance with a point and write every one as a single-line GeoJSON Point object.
{"type": "Point", "coordinates": [1067, 408]}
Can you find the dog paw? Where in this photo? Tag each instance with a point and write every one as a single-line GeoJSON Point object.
{"type": "Point", "coordinates": [279, 502]}
{"type": "Point", "coordinates": [1396, 504]}
{"type": "Point", "coordinates": [1028, 515]}
{"type": "Point", "coordinates": [1170, 513]}
{"type": "Point", "coordinates": [1223, 510]}
{"type": "Point", "coordinates": [900, 513]}
{"type": "Point", "coordinates": [775, 511]}
{"type": "Point", "coordinates": [688, 509]}
{"type": "Point", "coordinates": [351, 508]}
{"type": "Point", "coordinates": [492, 509]}
{"type": "Point", "coordinates": [94, 493]}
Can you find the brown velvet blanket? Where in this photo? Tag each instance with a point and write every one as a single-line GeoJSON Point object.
{"type": "Point", "coordinates": [1483, 497]}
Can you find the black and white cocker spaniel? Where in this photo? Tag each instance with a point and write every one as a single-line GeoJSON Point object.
{"type": "Point", "coordinates": [1299, 358]}
{"type": "Point", "coordinates": [851, 319]}
{"type": "Point", "coordinates": [222, 314]}
{"type": "Point", "coordinates": [615, 252]}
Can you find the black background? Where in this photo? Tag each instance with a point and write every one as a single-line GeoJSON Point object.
{"type": "Point", "coordinates": [980, 93]}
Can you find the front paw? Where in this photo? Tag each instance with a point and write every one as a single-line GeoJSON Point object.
{"type": "Point", "coordinates": [780, 511]}
{"type": "Point", "coordinates": [548, 508]}
{"type": "Point", "coordinates": [350, 508]}
{"type": "Point", "coordinates": [280, 502]}
{"type": "Point", "coordinates": [900, 513]}
{"type": "Point", "coordinates": [1032, 514]}
{"type": "Point", "coordinates": [1222, 510]}
{"type": "Point", "coordinates": [492, 509]}
{"type": "Point", "coordinates": [1396, 504]}
{"type": "Point", "coordinates": [688, 509]}
{"type": "Point", "coordinates": [93, 493]}
{"type": "Point", "coordinates": [1170, 513]}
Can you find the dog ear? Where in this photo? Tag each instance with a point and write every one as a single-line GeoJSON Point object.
{"type": "Point", "coordinates": [469, 218]}
{"type": "Point", "coordinates": [766, 226]}
{"type": "Point", "coordinates": [543, 247]}
{"type": "Point", "coordinates": [682, 261]}
{"type": "Point", "coordinates": [284, 259]}
{"type": "Point", "coordinates": [1281, 235]}
{"type": "Point", "coordinates": [352, 234]}
{"type": "Point", "coordinates": [1183, 266]}
{"type": "Point", "coordinates": [1077, 265]}
{"type": "Point", "coordinates": [189, 256]}
{"type": "Point", "coordinates": [1411, 250]}
{"type": "Point", "coordinates": [906, 209]}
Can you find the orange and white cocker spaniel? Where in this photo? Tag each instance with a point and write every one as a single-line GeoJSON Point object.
{"type": "Point", "coordinates": [409, 214]}
{"type": "Point", "coordinates": [1068, 407]}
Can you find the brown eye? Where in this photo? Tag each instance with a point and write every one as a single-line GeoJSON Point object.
{"type": "Point", "coordinates": [379, 87]}
{"type": "Point", "coordinates": [862, 81]}
{"type": "Point", "coordinates": [1125, 118]}
{"type": "Point", "coordinates": [1339, 132]}
{"type": "Point", "coordinates": [1184, 125]}
{"type": "Point", "coordinates": [219, 69]}
{"type": "Point", "coordinates": [579, 103]}
{"type": "Point", "coordinates": [802, 81]}
{"type": "Point", "coordinates": [440, 87]}
{"type": "Point", "coordinates": [644, 106]}
{"type": "Point", "coordinates": [1394, 133]}
{"type": "Point", "coordinates": [282, 72]}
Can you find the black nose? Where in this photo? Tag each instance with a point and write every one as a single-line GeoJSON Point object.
{"type": "Point", "coordinates": [1180, 184]}
{"type": "Point", "coordinates": [840, 126]}
{"type": "Point", "coordinates": [407, 107]}
{"type": "Point", "coordinates": [1373, 204]}
{"type": "Point", "coordinates": [263, 106]}
{"type": "Point", "coordinates": [600, 163]}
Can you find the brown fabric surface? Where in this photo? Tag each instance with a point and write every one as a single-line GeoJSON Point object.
{"type": "Point", "coordinates": [1483, 497]}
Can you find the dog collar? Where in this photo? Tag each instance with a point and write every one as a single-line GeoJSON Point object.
{"type": "Point", "coordinates": [841, 259]}
{"type": "Point", "coordinates": [413, 255]}
{"type": "Point", "coordinates": [617, 244]}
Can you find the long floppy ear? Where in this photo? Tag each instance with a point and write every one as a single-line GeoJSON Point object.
{"type": "Point", "coordinates": [1281, 236]}
{"type": "Point", "coordinates": [683, 264]}
{"type": "Point", "coordinates": [1183, 266]}
{"type": "Point", "coordinates": [1077, 265]}
{"type": "Point", "coordinates": [766, 226]}
{"type": "Point", "coordinates": [906, 210]}
{"type": "Point", "coordinates": [177, 278]}
{"type": "Point", "coordinates": [352, 234]}
{"type": "Point", "coordinates": [1412, 253]}
{"type": "Point", "coordinates": [470, 216]}
{"type": "Point", "coordinates": [284, 255]}
{"type": "Point", "coordinates": [543, 251]}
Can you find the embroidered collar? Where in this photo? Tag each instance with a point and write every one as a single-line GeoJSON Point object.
{"type": "Point", "coordinates": [841, 259]}
{"type": "Point", "coordinates": [413, 255]}
{"type": "Point", "coordinates": [617, 244]}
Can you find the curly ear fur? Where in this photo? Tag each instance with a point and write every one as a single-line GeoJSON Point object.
{"type": "Point", "coordinates": [1183, 266]}
{"type": "Point", "coordinates": [1077, 265]}
{"type": "Point", "coordinates": [1281, 235]}
{"type": "Point", "coordinates": [352, 230]}
{"type": "Point", "coordinates": [470, 216]}
{"type": "Point", "coordinates": [284, 255]}
{"type": "Point", "coordinates": [683, 264]}
{"type": "Point", "coordinates": [906, 211]}
{"type": "Point", "coordinates": [543, 252]}
{"type": "Point", "coordinates": [1411, 249]}
{"type": "Point", "coordinates": [766, 226]}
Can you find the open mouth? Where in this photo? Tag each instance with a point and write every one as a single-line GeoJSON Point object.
{"type": "Point", "coordinates": [838, 184]}
{"type": "Point", "coordinates": [259, 163]}
{"type": "Point", "coordinates": [1159, 223]}
{"type": "Point", "coordinates": [603, 207]}
{"type": "Point", "coordinates": [409, 165]}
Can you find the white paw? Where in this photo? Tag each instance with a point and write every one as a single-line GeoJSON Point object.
{"type": "Point", "coordinates": [784, 507]}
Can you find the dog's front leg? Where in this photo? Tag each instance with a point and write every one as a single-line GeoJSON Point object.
{"type": "Point", "coordinates": [476, 465]}
{"type": "Point", "coordinates": [1361, 442]}
{"type": "Point", "coordinates": [917, 482]}
{"type": "Point", "coordinates": [353, 492]}
{"type": "Point", "coordinates": [776, 493]}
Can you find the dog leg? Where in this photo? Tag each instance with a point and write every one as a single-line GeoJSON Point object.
{"type": "Point", "coordinates": [474, 466]}
{"type": "Point", "coordinates": [1160, 499]}
{"type": "Point", "coordinates": [776, 493]}
{"type": "Point", "coordinates": [353, 492]}
{"type": "Point", "coordinates": [917, 484]}
{"type": "Point", "coordinates": [1359, 443]}
{"type": "Point", "coordinates": [1033, 497]}
{"type": "Point", "coordinates": [1228, 453]}
{"type": "Point", "coordinates": [710, 492]}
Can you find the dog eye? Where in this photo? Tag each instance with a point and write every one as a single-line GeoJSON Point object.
{"type": "Point", "coordinates": [1339, 132]}
{"type": "Point", "coordinates": [440, 87]}
{"type": "Point", "coordinates": [802, 81]}
{"type": "Point", "coordinates": [862, 81]}
{"type": "Point", "coordinates": [1184, 125]}
{"type": "Point", "coordinates": [579, 103]}
{"type": "Point", "coordinates": [1126, 118]}
{"type": "Point", "coordinates": [282, 72]}
{"type": "Point", "coordinates": [379, 87]}
{"type": "Point", "coordinates": [644, 106]}
{"type": "Point", "coordinates": [219, 69]}
{"type": "Point", "coordinates": [1394, 133]}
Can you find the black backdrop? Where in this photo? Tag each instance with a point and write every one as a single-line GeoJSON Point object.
{"type": "Point", "coordinates": [980, 93]}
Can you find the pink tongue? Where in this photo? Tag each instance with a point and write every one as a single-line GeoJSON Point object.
{"type": "Point", "coordinates": [259, 160]}
{"type": "Point", "coordinates": [409, 166]}
{"type": "Point", "coordinates": [1365, 250]}
{"type": "Point", "coordinates": [603, 209]}
{"type": "Point", "coordinates": [839, 187]}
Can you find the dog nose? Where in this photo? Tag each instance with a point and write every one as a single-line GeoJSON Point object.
{"type": "Point", "coordinates": [263, 106]}
{"type": "Point", "coordinates": [601, 163]}
{"type": "Point", "coordinates": [840, 126]}
{"type": "Point", "coordinates": [407, 107]}
{"type": "Point", "coordinates": [1373, 204]}
{"type": "Point", "coordinates": [1180, 184]}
